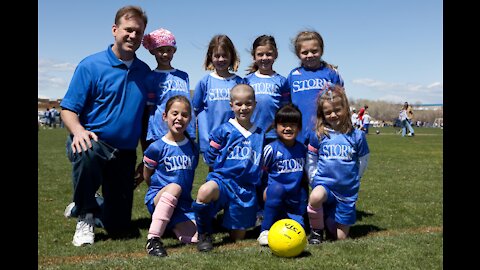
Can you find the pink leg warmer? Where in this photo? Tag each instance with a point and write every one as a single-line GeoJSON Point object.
{"type": "Point", "coordinates": [186, 232]}
{"type": "Point", "coordinates": [316, 217]}
{"type": "Point", "coordinates": [161, 215]}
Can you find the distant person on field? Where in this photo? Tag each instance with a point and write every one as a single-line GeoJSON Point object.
{"type": "Point", "coordinates": [355, 118]}
{"type": "Point", "coordinates": [361, 112]}
{"type": "Point", "coordinates": [366, 122]}
{"type": "Point", "coordinates": [235, 153]}
{"type": "Point", "coordinates": [404, 121]}
{"type": "Point", "coordinates": [48, 119]}
{"type": "Point", "coordinates": [169, 172]}
{"type": "Point", "coordinates": [409, 112]}
{"type": "Point", "coordinates": [103, 110]}
{"type": "Point", "coordinates": [334, 174]}
{"type": "Point", "coordinates": [311, 79]}
{"type": "Point", "coordinates": [53, 116]}
{"type": "Point", "coordinates": [284, 181]}
{"type": "Point", "coordinates": [211, 97]}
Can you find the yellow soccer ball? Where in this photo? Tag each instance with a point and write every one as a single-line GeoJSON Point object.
{"type": "Point", "coordinates": [287, 238]}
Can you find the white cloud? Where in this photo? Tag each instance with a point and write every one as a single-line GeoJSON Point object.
{"type": "Point", "coordinates": [399, 92]}
{"type": "Point", "coordinates": [53, 77]}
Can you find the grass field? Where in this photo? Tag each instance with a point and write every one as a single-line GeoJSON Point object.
{"type": "Point", "coordinates": [399, 217]}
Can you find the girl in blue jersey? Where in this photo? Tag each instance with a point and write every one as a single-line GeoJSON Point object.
{"type": "Point", "coordinates": [310, 80]}
{"type": "Point", "coordinates": [235, 153]}
{"type": "Point", "coordinates": [164, 82]}
{"type": "Point", "coordinates": [337, 158]}
{"type": "Point", "coordinates": [283, 172]}
{"type": "Point", "coordinates": [211, 96]}
{"type": "Point", "coordinates": [170, 164]}
{"type": "Point", "coordinates": [271, 89]}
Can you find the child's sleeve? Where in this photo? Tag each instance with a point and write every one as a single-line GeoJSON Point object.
{"type": "Point", "coordinates": [285, 97]}
{"type": "Point", "coordinates": [267, 162]}
{"type": "Point", "coordinates": [312, 157]}
{"type": "Point", "coordinates": [217, 140]}
{"type": "Point", "coordinates": [363, 153]}
{"type": "Point", "coordinates": [363, 160]}
{"type": "Point", "coordinates": [150, 156]}
{"type": "Point", "coordinates": [198, 101]}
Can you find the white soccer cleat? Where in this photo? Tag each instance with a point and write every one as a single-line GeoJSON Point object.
{"type": "Point", "coordinates": [84, 232]}
{"type": "Point", "coordinates": [263, 238]}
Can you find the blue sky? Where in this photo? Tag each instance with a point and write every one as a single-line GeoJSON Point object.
{"type": "Point", "coordinates": [386, 50]}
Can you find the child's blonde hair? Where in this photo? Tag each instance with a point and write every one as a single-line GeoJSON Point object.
{"type": "Point", "coordinates": [224, 42]}
{"type": "Point", "coordinates": [333, 94]}
{"type": "Point", "coordinates": [241, 87]}
{"type": "Point", "coordinates": [310, 35]}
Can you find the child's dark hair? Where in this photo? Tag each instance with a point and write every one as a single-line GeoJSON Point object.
{"type": "Point", "coordinates": [224, 42]}
{"type": "Point", "coordinates": [178, 98]}
{"type": "Point", "coordinates": [288, 113]}
{"type": "Point", "coordinates": [263, 40]}
{"type": "Point", "coordinates": [186, 101]}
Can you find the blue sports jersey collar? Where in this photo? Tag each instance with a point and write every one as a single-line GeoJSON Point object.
{"type": "Point", "coordinates": [259, 75]}
{"type": "Point", "coordinates": [213, 74]}
{"type": "Point", "coordinates": [242, 130]}
{"type": "Point", "coordinates": [165, 71]}
{"type": "Point", "coordinates": [170, 142]}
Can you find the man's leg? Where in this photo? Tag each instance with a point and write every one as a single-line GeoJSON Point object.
{"type": "Point", "coordinates": [117, 191]}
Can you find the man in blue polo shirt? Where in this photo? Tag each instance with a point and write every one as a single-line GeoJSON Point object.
{"type": "Point", "coordinates": [103, 110]}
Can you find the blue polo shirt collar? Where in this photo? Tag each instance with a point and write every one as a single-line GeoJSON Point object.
{"type": "Point", "coordinates": [115, 62]}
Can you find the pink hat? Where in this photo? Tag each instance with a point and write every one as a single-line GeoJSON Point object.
{"type": "Point", "coordinates": [159, 38]}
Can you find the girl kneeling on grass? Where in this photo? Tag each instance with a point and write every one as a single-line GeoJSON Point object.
{"type": "Point", "coordinates": [169, 171]}
{"type": "Point", "coordinates": [337, 158]}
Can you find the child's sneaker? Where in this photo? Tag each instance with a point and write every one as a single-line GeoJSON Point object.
{"type": "Point", "coordinates": [204, 242]}
{"type": "Point", "coordinates": [155, 247]}
{"type": "Point", "coordinates": [263, 238]}
{"type": "Point", "coordinates": [84, 232]}
{"type": "Point", "coordinates": [315, 237]}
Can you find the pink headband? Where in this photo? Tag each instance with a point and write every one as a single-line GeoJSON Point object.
{"type": "Point", "coordinates": [159, 38]}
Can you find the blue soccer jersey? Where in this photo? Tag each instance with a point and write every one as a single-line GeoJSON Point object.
{"type": "Point", "coordinates": [285, 165]}
{"type": "Point", "coordinates": [108, 96]}
{"type": "Point", "coordinates": [305, 86]}
{"type": "Point", "coordinates": [338, 164]}
{"type": "Point", "coordinates": [271, 92]}
{"type": "Point", "coordinates": [173, 162]}
{"type": "Point", "coordinates": [235, 154]}
{"type": "Point", "coordinates": [165, 84]}
{"type": "Point", "coordinates": [212, 96]}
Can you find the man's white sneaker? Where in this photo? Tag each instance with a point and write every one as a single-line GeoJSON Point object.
{"type": "Point", "coordinates": [84, 232]}
{"type": "Point", "coordinates": [68, 210]}
{"type": "Point", "coordinates": [263, 238]}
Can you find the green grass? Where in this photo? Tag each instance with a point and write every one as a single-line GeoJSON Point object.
{"type": "Point", "coordinates": [399, 217]}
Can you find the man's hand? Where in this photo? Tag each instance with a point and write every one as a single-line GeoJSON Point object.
{"type": "Point", "coordinates": [138, 175]}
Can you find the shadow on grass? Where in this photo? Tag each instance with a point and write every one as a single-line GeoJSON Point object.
{"type": "Point", "coordinates": [357, 231]}
{"type": "Point", "coordinates": [361, 214]}
{"type": "Point", "coordinates": [130, 233]}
